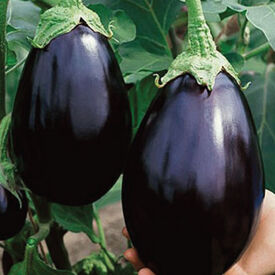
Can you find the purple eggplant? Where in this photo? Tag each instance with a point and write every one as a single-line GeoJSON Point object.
{"type": "Point", "coordinates": [194, 182]}
{"type": "Point", "coordinates": [12, 215]}
{"type": "Point", "coordinates": [71, 123]}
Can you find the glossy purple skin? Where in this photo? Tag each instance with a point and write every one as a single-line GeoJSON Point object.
{"type": "Point", "coordinates": [71, 124]}
{"type": "Point", "coordinates": [12, 216]}
{"type": "Point", "coordinates": [194, 183]}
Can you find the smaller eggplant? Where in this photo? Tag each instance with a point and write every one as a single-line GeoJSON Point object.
{"type": "Point", "coordinates": [12, 215]}
{"type": "Point", "coordinates": [7, 262]}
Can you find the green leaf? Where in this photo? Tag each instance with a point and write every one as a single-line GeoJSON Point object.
{"type": "Point", "coordinates": [17, 39]}
{"type": "Point", "coordinates": [11, 58]}
{"type": "Point", "coordinates": [36, 266]}
{"type": "Point", "coordinates": [114, 195]}
{"type": "Point", "coordinates": [254, 2]}
{"type": "Point", "coordinates": [236, 60]}
{"type": "Point", "coordinates": [17, 269]}
{"type": "Point", "coordinates": [140, 98]}
{"type": "Point", "coordinates": [255, 64]}
{"type": "Point", "coordinates": [123, 27]}
{"type": "Point", "coordinates": [210, 6]}
{"type": "Point", "coordinates": [234, 5]}
{"type": "Point", "coordinates": [263, 17]}
{"type": "Point", "coordinates": [8, 176]}
{"type": "Point", "coordinates": [152, 18]}
{"type": "Point", "coordinates": [260, 13]}
{"type": "Point", "coordinates": [16, 245]}
{"type": "Point", "coordinates": [212, 9]}
{"type": "Point", "coordinates": [261, 98]}
{"type": "Point", "coordinates": [138, 63]}
{"type": "Point", "coordinates": [24, 16]}
{"type": "Point", "coordinates": [76, 219]}
{"type": "Point", "coordinates": [212, 17]}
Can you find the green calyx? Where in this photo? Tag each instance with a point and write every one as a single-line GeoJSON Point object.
{"type": "Point", "coordinates": [8, 178]}
{"type": "Point", "coordinates": [201, 58]}
{"type": "Point", "coordinates": [63, 18]}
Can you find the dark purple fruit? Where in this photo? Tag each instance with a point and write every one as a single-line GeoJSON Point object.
{"type": "Point", "coordinates": [12, 216]}
{"type": "Point", "coordinates": [194, 183]}
{"type": "Point", "coordinates": [7, 262]}
{"type": "Point", "coordinates": [71, 124]}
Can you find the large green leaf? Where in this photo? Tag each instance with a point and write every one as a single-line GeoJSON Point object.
{"type": "Point", "coordinates": [76, 219]}
{"type": "Point", "coordinates": [114, 195]}
{"type": "Point", "coordinates": [261, 97]}
{"type": "Point", "coordinates": [260, 13]}
{"type": "Point", "coordinates": [152, 18]}
{"type": "Point", "coordinates": [123, 27]}
{"type": "Point", "coordinates": [210, 6]}
{"type": "Point", "coordinates": [137, 63]}
{"type": "Point", "coordinates": [24, 16]}
{"type": "Point", "coordinates": [212, 9]}
{"type": "Point", "coordinates": [36, 267]}
{"type": "Point", "coordinates": [140, 98]}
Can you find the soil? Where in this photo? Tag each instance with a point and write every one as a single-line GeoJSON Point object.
{"type": "Point", "coordinates": [79, 245]}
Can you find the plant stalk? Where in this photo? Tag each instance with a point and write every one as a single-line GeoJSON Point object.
{"type": "Point", "coordinates": [57, 249]}
{"type": "Point", "coordinates": [200, 38]}
{"type": "Point", "coordinates": [108, 258]}
{"type": "Point", "coordinates": [3, 19]}
{"type": "Point", "coordinates": [100, 229]}
{"type": "Point", "coordinates": [257, 51]}
{"type": "Point", "coordinates": [43, 208]}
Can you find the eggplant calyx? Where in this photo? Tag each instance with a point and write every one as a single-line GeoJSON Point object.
{"type": "Point", "coordinates": [201, 58]}
{"type": "Point", "coordinates": [203, 68]}
{"type": "Point", "coordinates": [63, 18]}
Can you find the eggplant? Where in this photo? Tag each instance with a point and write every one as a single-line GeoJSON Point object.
{"type": "Point", "coordinates": [12, 214]}
{"type": "Point", "coordinates": [71, 122]}
{"type": "Point", "coordinates": [7, 262]}
{"type": "Point", "coordinates": [194, 182]}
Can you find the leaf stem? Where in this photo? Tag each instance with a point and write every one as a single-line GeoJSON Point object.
{"type": "Point", "coordinates": [3, 18]}
{"type": "Point", "coordinates": [108, 259]}
{"type": "Point", "coordinates": [36, 229]}
{"type": "Point", "coordinates": [100, 228]}
{"type": "Point", "coordinates": [43, 232]}
{"type": "Point", "coordinates": [257, 51]}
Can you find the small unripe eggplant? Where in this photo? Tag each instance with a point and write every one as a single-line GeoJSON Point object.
{"type": "Point", "coordinates": [7, 262]}
{"type": "Point", "coordinates": [12, 215]}
{"type": "Point", "coordinates": [194, 183]}
{"type": "Point", "coordinates": [71, 124]}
